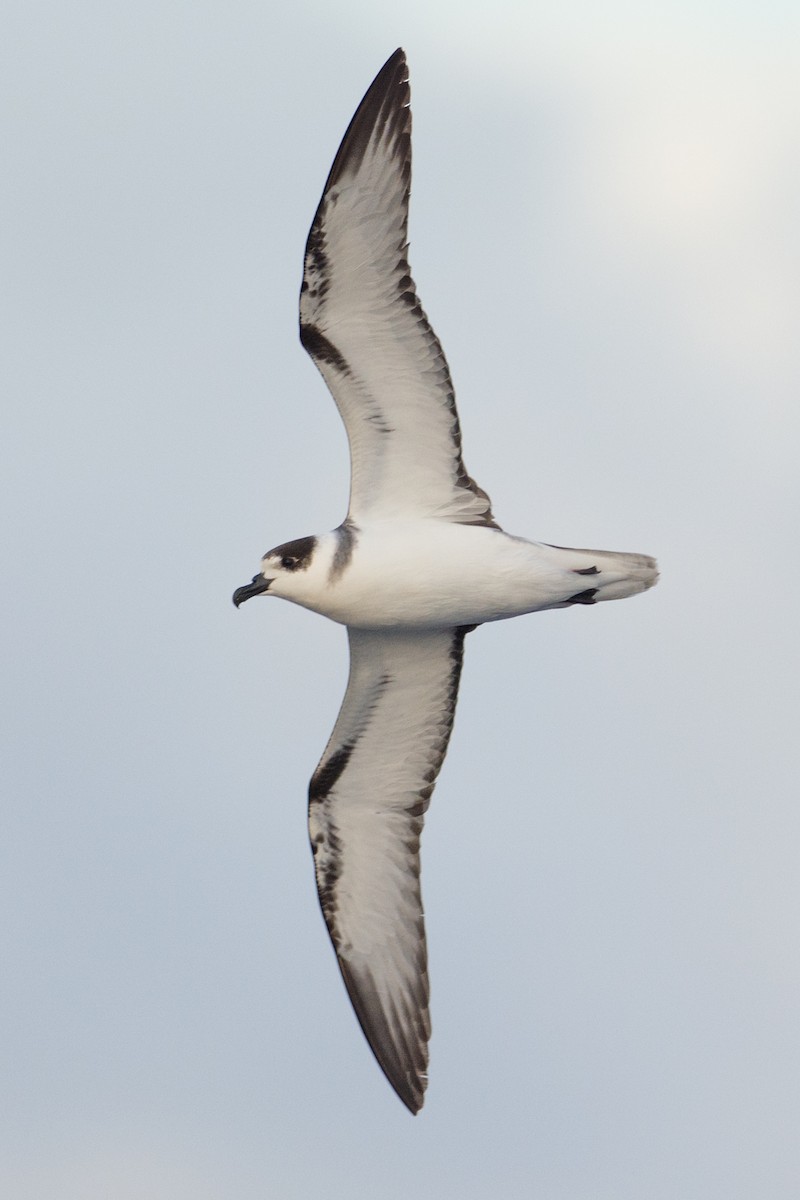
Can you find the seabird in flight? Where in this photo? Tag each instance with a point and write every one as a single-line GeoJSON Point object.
{"type": "Point", "coordinates": [418, 562]}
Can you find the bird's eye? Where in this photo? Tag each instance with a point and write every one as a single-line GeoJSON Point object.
{"type": "Point", "coordinates": [289, 562]}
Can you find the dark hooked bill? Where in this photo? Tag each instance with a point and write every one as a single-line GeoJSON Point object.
{"type": "Point", "coordinates": [256, 588]}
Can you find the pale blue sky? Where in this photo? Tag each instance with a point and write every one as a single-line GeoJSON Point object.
{"type": "Point", "coordinates": [604, 234]}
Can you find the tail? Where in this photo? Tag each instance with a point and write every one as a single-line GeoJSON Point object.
{"type": "Point", "coordinates": [606, 574]}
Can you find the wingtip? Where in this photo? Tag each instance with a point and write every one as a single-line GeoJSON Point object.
{"type": "Point", "coordinates": [394, 60]}
{"type": "Point", "coordinates": [410, 1090]}
{"type": "Point", "coordinates": [386, 102]}
{"type": "Point", "coordinates": [402, 1054]}
{"type": "Point", "coordinates": [413, 1105]}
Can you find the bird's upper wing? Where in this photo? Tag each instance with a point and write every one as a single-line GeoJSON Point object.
{"type": "Point", "coordinates": [367, 801]}
{"type": "Point", "coordinates": [361, 322]}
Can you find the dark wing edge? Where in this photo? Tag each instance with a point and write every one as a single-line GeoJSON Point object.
{"type": "Point", "coordinates": [395, 1022]}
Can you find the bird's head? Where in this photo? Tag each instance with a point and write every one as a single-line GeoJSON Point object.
{"type": "Point", "coordinates": [284, 572]}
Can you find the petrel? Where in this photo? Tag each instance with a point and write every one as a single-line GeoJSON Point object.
{"type": "Point", "coordinates": [418, 562]}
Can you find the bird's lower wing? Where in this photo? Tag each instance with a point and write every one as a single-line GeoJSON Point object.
{"type": "Point", "coordinates": [367, 802]}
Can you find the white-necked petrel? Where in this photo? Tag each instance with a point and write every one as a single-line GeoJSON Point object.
{"type": "Point", "coordinates": [418, 562]}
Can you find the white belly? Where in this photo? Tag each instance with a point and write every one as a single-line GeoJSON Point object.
{"type": "Point", "coordinates": [433, 573]}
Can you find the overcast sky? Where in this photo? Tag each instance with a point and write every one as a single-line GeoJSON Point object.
{"type": "Point", "coordinates": [604, 232]}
